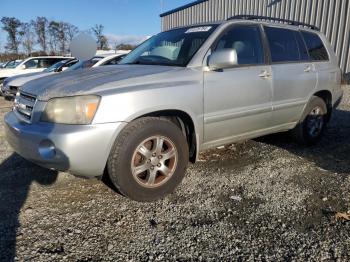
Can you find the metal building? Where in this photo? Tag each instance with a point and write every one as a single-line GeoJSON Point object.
{"type": "Point", "coordinates": [331, 16]}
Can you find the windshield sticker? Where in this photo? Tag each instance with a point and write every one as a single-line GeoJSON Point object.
{"type": "Point", "coordinates": [198, 29]}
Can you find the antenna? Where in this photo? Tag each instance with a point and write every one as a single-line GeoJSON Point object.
{"type": "Point", "coordinates": [161, 6]}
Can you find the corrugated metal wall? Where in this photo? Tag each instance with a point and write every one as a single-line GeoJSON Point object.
{"type": "Point", "coordinates": [331, 16]}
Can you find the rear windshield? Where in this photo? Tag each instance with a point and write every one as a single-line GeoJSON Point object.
{"type": "Point", "coordinates": [170, 48]}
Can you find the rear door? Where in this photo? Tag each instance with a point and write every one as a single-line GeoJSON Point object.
{"type": "Point", "coordinates": [294, 75]}
{"type": "Point", "coordinates": [237, 100]}
{"type": "Point", "coordinates": [32, 66]}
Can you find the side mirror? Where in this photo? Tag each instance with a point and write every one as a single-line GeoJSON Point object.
{"type": "Point", "coordinates": [221, 59]}
{"type": "Point", "coordinates": [22, 67]}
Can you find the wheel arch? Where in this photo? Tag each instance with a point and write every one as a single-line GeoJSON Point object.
{"type": "Point", "coordinates": [185, 123]}
{"type": "Point", "coordinates": [326, 96]}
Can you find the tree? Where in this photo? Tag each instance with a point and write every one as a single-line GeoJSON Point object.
{"type": "Point", "coordinates": [62, 37]}
{"type": "Point", "coordinates": [102, 42]}
{"type": "Point", "coordinates": [53, 34]}
{"type": "Point", "coordinates": [11, 25]}
{"type": "Point", "coordinates": [40, 26]}
{"type": "Point", "coordinates": [71, 31]}
{"type": "Point", "coordinates": [124, 47]}
{"type": "Point", "coordinates": [27, 37]}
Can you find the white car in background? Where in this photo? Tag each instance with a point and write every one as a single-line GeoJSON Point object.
{"type": "Point", "coordinates": [30, 65]}
{"type": "Point", "coordinates": [10, 85]}
{"type": "Point", "coordinates": [10, 64]}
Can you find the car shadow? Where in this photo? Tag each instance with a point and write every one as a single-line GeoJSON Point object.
{"type": "Point", "coordinates": [332, 153]}
{"type": "Point", "coordinates": [16, 177]}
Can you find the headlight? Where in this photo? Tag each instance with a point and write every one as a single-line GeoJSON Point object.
{"type": "Point", "coordinates": [78, 110]}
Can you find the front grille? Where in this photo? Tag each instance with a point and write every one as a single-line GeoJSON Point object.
{"type": "Point", "coordinates": [24, 105]}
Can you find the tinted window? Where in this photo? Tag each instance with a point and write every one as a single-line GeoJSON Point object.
{"type": "Point", "coordinates": [33, 63]}
{"type": "Point", "coordinates": [246, 40]}
{"type": "Point", "coordinates": [47, 62]}
{"type": "Point", "coordinates": [284, 46]}
{"type": "Point", "coordinates": [56, 66]}
{"type": "Point", "coordinates": [315, 46]}
{"type": "Point", "coordinates": [304, 55]}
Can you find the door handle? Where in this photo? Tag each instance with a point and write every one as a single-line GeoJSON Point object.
{"type": "Point", "coordinates": [265, 74]}
{"type": "Point", "coordinates": [307, 69]}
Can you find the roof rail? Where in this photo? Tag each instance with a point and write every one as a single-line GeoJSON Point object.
{"type": "Point", "coordinates": [268, 18]}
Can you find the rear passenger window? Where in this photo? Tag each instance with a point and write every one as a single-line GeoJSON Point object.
{"type": "Point", "coordinates": [246, 40]}
{"type": "Point", "coordinates": [32, 63]}
{"type": "Point", "coordinates": [284, 45]}
{"type": "Point", "coordinates": [47, 62]}
{"type": "Point", "coordinates": [304, 55]}
{"type": "Point", "coordinates": [315, 46]}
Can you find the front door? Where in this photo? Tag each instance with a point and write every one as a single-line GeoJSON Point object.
{"type": "Point", "coordinates": [237, 100]}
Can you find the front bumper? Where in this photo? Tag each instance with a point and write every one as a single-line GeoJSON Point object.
{"type": "Point", "coordinates": [1, 89]}
{"type": "Point", "coordinates": [6, 92]}
{"type": "Point", "coordinates": [78, 149]}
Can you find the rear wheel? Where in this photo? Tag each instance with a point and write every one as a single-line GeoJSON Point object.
{"type": "Point", "coordinates": [149, 159]}
{"type": "Point", "coordinates": [313, 122]}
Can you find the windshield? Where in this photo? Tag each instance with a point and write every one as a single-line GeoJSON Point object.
{"type": "Point", "coordinates": [54, 67]}
{"type": "Point", "coordinates": [171, 48]}
{"type": "Point", "coordinates": [12, 64]}
{"type": "Point", "coordinates": [84, 64]}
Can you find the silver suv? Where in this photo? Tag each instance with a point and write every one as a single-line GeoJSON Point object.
{"type": "Point", "coordinates": [179, 93]}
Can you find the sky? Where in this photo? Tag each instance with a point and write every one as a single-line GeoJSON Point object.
{"type": "Point", "coordinates": [124, 20]}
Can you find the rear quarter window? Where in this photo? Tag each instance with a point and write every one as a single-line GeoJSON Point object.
{"type": "Point", "coordinates": [315, 46]}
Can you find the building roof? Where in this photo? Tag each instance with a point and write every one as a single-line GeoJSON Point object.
{"type": "Point", "coordinates": [182, 7]}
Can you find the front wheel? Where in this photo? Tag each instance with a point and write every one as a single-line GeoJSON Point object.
{"type": "Point", "coordinates": [311, 127]}
{"type": "Point", "coordinates": [148, 159]}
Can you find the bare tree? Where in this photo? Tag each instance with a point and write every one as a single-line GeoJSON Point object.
{"type": "Point", "coordinates": [53, 34]}
{"type": "Point", "coordinates": [102, 42]}
{"type": "Point", "coordinates": [62, 37]}
{"type": "Point", "coordinates": [71, 31]}
{"type": "Point", "coordinates": [40, 26]}
{"type": "Point", "coordinates": [11, 25]}
{"type": "Point", "coordinates": [27, 37]}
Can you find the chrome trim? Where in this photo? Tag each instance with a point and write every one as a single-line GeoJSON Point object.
{"type": "Point", "coordinates": [24, 105]}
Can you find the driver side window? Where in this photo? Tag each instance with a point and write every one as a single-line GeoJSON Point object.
{"type": "Point", "coordinates": [246, 40]}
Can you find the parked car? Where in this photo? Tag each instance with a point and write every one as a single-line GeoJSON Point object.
{"type": "Point", "coordinates": [10, 64]}
{"type": "Point", "coordinates": [11, 85]}
{"type": "Point", "coordinates": [86, 63]}
{"type": "Point", "coordinates": [110, 60]}
{"type": "Point", "coordinates": [30, 65]}
{"type": "Point", "coordinates": [179, 93]}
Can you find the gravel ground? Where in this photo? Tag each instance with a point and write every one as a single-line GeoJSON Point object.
{"type": "Point", "coordinates": [266, 199]}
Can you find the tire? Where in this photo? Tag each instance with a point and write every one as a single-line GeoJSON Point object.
{"type": "Point", "coordinates": [313, 122]}
{"type": "Point", "coordinates": [142, 170]}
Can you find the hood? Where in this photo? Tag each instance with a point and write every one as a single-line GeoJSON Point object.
{"type": "Point", "coordinates": [7, 72]}
{"type": "Point", "coordinates": [93, 80]}
{"type": "Point", "coordinates": [20, 80]}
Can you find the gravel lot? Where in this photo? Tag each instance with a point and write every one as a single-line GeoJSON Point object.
{"type": "Point", "coordinates": [266, 199]}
